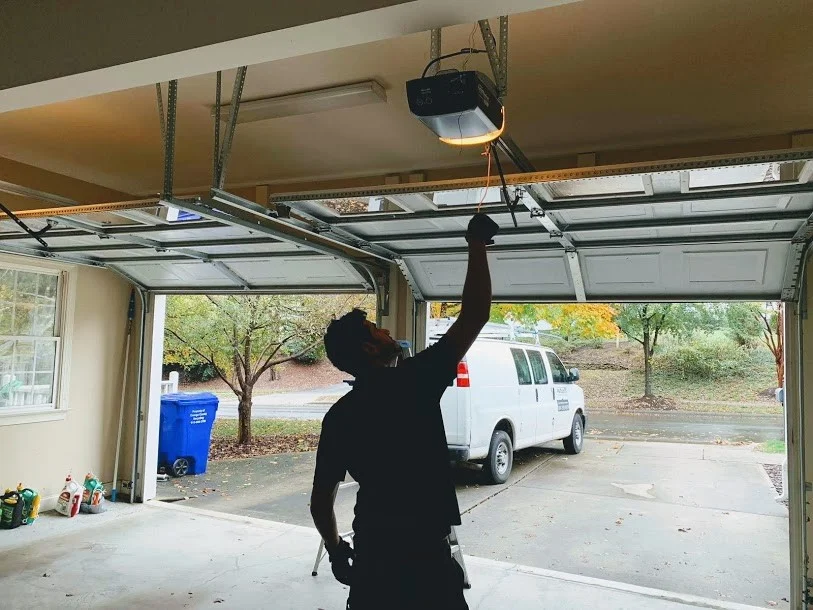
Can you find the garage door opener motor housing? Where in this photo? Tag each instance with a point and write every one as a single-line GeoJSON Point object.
{"type": "Point", "coordinates": [462, 108]}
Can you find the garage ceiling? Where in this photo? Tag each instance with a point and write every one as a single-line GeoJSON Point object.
{"type": "Point", "coordinates": [713, 228]}
{"type": "Point", "coordinates": [585, 76]}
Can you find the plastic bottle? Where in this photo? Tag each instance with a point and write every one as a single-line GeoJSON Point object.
{"type": "Point", "coordinates": [92, 494]}
{"type": "Point", "coordinates": [31, 504]}
{"type": "Point", "coordinates": [11, 510]}
{"type": "Point", "coordinates": [70, 500]}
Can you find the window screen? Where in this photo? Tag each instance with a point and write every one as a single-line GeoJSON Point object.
{"type": "Point", "coordinates": [557, 369]}
{"type": "Point", "coordinates": [538, 368]}
{"type": "Point", "coordinates": [523, 372]}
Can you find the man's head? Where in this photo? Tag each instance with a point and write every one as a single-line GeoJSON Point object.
{"type": "Point", "coordinates": [356, 345]}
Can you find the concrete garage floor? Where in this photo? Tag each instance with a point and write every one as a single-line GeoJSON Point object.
{"type": "Point", "coordinates": [169, 556]}
{"type": "Point", "coordinates": [571, 514]}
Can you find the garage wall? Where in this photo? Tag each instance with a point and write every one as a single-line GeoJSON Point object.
{"type": "Point", "coordinates": [40, 454]}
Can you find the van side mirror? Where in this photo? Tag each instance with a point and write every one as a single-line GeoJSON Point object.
{"type": "Point", "coordinates": [573, 375]}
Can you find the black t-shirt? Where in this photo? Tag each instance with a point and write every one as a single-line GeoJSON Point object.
{"type": "Point", "coordinates": [388, 434]}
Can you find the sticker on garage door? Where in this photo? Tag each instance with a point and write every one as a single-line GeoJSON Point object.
{"type": "Point", "coordinates": [563, 404]}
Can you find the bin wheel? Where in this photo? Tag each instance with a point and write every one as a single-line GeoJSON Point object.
{"type": "Point", "coordinates": [180, 467]}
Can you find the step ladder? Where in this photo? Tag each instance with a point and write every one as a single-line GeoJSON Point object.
{"type": "Point", "coordinates": [454, 545]}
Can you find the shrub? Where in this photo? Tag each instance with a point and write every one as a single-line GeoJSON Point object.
{"type": "Point", "coordinates": [705, 357]}
{"type": "Point", "coordinates": [199, 372]}
{"type": "Point", "coordinates": [315, 355]}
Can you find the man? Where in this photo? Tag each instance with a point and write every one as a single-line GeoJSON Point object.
{"type": "Point", "coordinates": [388, 434]}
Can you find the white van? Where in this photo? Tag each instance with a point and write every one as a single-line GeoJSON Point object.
{"type": "Point", "coordinates": [509, 396]}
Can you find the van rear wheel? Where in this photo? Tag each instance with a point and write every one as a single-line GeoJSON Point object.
{"type": "Point", "coordinates": [575, 442]}
{"type": "Point", "coordinates": [500, 458]}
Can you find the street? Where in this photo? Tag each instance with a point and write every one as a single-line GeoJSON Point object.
{"type": "Point", "coordinates": [673, 426]}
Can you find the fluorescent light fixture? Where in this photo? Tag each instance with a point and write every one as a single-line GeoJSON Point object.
{"type": "Point", "coordinates": [308, 102]}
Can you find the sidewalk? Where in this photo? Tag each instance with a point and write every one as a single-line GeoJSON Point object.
{"type": "Point", "coordinates": [167, 556]}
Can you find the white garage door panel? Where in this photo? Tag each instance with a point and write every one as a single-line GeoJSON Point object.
{"type": "Point", "coordinates": [749, 270]}
{"type": "Point", "coordinates": [168, 273]}
{"type": "Point", "coordinates": [513, 275]}
{"type": "Point", "coordinates": [609, 213]}
{"type": "Point", "coordinates": [602, 270]}
{"type": "Point", "coordinates": [727, 267]}
{"type": "Point", "coordinates": [294, 271]}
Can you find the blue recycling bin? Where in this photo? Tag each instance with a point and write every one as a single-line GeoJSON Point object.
{"type": "Point", "coordinates": [186, 432]}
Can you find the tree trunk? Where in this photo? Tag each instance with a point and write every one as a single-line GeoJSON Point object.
{"type": "Point", "coordinates": [647, 365]}
{"type": "Point", "coordinates": [779, 356]}
{"type": "Point", "coordinates": [244, 418]}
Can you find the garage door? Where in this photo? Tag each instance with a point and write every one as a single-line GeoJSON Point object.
{"type": "Point", "coordinates": [712, 228]}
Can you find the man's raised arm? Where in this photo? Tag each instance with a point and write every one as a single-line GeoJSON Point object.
{"type": "Point", "coordinates": [476, 301]}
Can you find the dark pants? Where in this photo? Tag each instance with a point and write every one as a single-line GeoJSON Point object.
{"type": "Point", "coordinates": [399, 574]}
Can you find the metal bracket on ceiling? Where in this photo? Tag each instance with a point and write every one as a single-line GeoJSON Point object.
{"type": "Point", "coordinates": [224, 153]}
{"type": "Point", "coordinates": [167, 124]}
{"type": "Point", "coordinates": [497, 57]}
{"type": "Point", "coordinates": [434, 51]}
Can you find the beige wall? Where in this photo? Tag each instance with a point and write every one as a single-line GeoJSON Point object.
{"type": "Point", "coordinates": [41, 454]}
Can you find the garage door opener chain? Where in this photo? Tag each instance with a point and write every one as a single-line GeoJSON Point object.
{"type": "Point", "coordinates": [507, 487]}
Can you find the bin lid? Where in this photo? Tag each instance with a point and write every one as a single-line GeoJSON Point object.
{"type": "Point", "coordinates": [189, 399]}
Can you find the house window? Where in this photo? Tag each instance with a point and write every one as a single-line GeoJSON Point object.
{"type": "Point", "coordinates": [30, 313]}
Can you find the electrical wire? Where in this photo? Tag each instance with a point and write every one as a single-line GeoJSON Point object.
{"type": "Point", "coordinates": [471, 45]}
{"type": "Point", "coordinates": [466, 51]}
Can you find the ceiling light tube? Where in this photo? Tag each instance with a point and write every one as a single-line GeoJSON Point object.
{"type": "Point", "coordinates": [308, 102]}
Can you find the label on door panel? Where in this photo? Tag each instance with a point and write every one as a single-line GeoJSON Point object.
{"type": "Point", "coordinates": [563, 404]}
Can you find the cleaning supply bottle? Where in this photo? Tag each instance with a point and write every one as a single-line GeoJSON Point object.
{"type": "Point", "coordinates": [70, 500]}
{"type": "Point", "coordinates": [92, 494]}
{"type": "Point", "coordinates": [31, 504]}
{"type": "Point", "coordinates": [11, 510]}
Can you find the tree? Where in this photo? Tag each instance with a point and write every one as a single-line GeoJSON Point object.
{"type": "Point", "coordinates": [244, 336]}
{"type": "Point", "coordinates": [749, 323]}
{"type": "Point", "coordinates": [444, 310]}
{"type": "Point", "coordinates": [743, 323]}
{"type": "Point", "coordinates": [582, 321]}
{"type": "Point", "coordinates": [771, 320]}
{"type": "Point", "coordinates": [647, 322]}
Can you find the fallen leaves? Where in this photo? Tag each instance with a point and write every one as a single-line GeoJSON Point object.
{"type": "Point", "coordinates": [227, 448]}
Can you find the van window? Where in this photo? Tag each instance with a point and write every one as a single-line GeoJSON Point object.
{"type": "Point", "coordinates": [538, 368]}
{"type": "Point", "coordinates": [523, 372]}
{"type": "Point", "coordinates": [557, 368]}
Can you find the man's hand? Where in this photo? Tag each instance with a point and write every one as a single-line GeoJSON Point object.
{"type": "Point", "coordinates": [341, 558]}
{"type": "Point", "coordinates": [482, 229]}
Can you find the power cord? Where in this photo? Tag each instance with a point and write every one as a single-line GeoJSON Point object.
{"type": "Point", "coordinates": [466, 51]}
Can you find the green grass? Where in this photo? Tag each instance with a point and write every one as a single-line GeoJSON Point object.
{"type": "Point", "coordinates": [227, 428]}
{"type": "Point", "coordinates": [735, 389]}
{"type": "Point", "coordinates": [772, 447]}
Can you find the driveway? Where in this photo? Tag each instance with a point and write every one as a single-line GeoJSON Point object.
{"type": "Point", "coordinates": [695, 519]}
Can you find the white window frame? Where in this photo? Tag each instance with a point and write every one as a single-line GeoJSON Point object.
{"type": "Point", "coordinates": [63, 331]}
